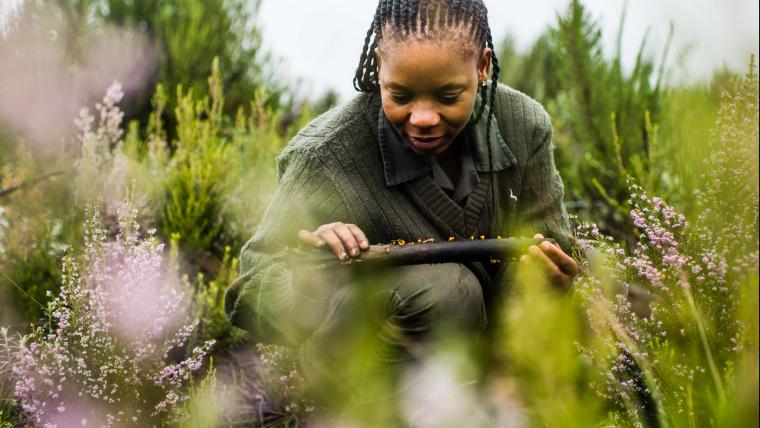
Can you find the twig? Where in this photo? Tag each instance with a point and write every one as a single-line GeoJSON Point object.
{"type": "Point", "coordinates": [419, 253]}
{"type": "Point", "coordinates": [29, 183]}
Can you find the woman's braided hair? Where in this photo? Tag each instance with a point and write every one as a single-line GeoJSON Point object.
{"type": "Point", "coordinates": [428, 17]}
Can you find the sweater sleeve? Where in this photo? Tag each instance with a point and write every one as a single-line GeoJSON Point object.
{"type": "Point", "coordinates": [267, 299]}
{"type": "Point", "coordinates": [541, 208]}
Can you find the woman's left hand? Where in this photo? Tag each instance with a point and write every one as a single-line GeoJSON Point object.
{"type": "Point", "coordinates": [558, 268]}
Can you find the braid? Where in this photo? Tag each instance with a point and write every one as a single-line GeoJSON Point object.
{"type": "Point", "coordinates": [423, 13]}
{"type": "Point", "coordinates": [361, 73]}
{"type": "Point", "coordinates": [396, 12]}
{"type": "Point", "coordinates": [492, 112]}
{"type": "Point", "coordinates": [363, 81]}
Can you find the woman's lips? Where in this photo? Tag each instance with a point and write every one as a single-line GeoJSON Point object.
{"type": "Point", "coordinates": [427, 143]}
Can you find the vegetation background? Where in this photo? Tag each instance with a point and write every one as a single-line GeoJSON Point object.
{"type": "Point", "coordinates": [188, 140]}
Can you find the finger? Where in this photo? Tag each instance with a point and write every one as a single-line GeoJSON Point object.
{"type": "Point", "coordinates": [335, 243]}
{"type": "Point", "coordinates": [360, 236]}
{"type": "Point", "coordinates": [538, 237]}
{"type": "Point", "coordinates": [310, 238]}
{"type": "Point", "coordinates": [565, 263]}
{"type": "Point", "coordinates": [349, 240]}
{"type": "Point", "coordinates": [552, 271]}
{"type": "Point", "coordinates": [529, 264]}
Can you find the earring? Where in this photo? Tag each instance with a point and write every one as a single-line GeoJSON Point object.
{"type": "Point", "coordinates": [484, 83]}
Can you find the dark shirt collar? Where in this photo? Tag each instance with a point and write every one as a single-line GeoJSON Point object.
{"type": "Point", "coordinates": [401, 164]}
{"type": "Point", "coordinates": [468, 176]}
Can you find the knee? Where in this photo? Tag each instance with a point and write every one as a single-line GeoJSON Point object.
{"type": "Point", "coordinates": [447, 294]}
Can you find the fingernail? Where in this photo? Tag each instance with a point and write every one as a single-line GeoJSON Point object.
{"type": "Point", "coordinates": [534, 250]}
{"type": "Point", "coordinates": [321, 243]}
{"type": "Point", "coordinates": [343, 256]}
{"type": "Point", "coordinates": [364, 244]}
{"type": "Point", "coordinates": [355, 252]}
{"type": "Point", "coordinates": [546, 245]}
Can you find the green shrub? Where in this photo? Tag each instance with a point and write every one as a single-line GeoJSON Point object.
{"type": "Point", "coordinates": [211, 184]}
{"type": "Point", "coordinates": [605, 119]}
{"type": "Point", "coordinates": [37, 226]}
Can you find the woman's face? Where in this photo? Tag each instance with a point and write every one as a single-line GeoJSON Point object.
{"type": "Point", "coordinates": [428, 88]}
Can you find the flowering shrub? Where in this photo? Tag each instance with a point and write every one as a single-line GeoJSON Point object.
{"type": "Point", "coordinates": [8, 350]}
{"type": "Point", "coordinates": [260, 387]}
{"type": "Point", "coordinates": [105, 358]}
{"type": "Point", "coordinates": [283, 387]}
{"type": "Point", "coordinates": [103, 167]}
{"type": "Point", "coordinates": [675, 359]}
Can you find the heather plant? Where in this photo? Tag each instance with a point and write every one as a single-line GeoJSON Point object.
{"type": "Point", "coordinates": [690, 356]}
{"type": "Point", "coordinates": [9, 344]}
{"type": "Point", "coordinates": [44, 212]}
{"type": "Point", "coordinates": [282, 384]}
{"type": "Point", "coordinates": [107, 356]}
{"type": "Point", "coordinates": [208, 302]}
{"type": "Point", "coordinates": [102, 168]}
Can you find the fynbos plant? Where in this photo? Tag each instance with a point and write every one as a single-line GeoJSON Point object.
{"type": "Point", "coordinates": [103, 167]}
{"type": "Point", "coordinates": [680, 359]}
{"type": "Point", "coordinates": [104, 359]}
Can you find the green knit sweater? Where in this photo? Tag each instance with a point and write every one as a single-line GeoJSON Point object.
{"type": "Point", "coordinates": [333, 171]}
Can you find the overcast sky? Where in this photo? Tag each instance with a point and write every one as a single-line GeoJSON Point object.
{"type": "Point", "coordinates": [320, 41]}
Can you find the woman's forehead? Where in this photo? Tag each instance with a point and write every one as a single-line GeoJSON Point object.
{"type": "Point", "coordinates": [423, 64]}
{"type": "Point", "coordinates": [452, 51]}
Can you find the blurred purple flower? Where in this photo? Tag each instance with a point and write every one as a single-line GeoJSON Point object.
{"type": "Point", "coordinates": [117, 318]}
{"type": "Point", "coordinates": [43, 87]}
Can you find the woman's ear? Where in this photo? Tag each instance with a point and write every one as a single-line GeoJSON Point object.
{"type": "Point", "coordinates": [484, 64]}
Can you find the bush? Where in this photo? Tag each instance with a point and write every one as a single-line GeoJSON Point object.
{"type": "Point", "coordinates": [605, 119]}
{"type": "Point", "coordinates": [690, 356]}
{"type": "Point", "coordinates": [104, 357]}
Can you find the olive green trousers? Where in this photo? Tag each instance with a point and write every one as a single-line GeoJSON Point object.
{"type": "Point", "coordinates": [373, 323]}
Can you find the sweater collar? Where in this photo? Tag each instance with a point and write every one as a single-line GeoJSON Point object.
{"type": "Point", "coordinates": [401, 164]}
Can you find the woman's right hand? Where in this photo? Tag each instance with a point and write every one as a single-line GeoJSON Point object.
{"type": "Point", "coordinates": [343, 239]}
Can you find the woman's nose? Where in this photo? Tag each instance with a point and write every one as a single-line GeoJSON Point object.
{"type": "Point", "coordinates": [424, 117]}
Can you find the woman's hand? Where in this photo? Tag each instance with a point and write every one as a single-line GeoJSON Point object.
{"type": "Point", "coordinates": [558, 268]}
{"type": "Point", "coordinates": [343, 239]}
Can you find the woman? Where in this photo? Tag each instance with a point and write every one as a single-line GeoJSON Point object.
{"type": "Point", "coordinates": [431, 148]}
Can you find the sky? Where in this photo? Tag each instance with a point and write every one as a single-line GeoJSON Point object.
{"type": "Point", "coordinates": [7, 9]}
{"type": "Point", "coordinates": [319, 42]}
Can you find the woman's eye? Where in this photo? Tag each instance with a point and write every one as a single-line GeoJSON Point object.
{"type": "Point", "coordinates": [449, 99]}
{"type": "Point", "coordinates": [401, 99]}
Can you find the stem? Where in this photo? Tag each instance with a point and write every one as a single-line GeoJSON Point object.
{"type": "Point", "coordinates": [10, 190]}
{"type": "Point", "coordinates": [706, 345]}
{"type": "Point", "coordinates": [690, 398]}
{"type": "Point", "coordinates": [21, 289]}
{"type": "Point", "coordinates": [646, 369]}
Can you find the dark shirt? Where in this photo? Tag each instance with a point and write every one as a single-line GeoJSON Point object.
{"type": "Point", "coordinates": [401, 164]}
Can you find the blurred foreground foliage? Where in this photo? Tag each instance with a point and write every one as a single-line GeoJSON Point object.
{"type": "Point", "coordinates": [199, 168]}
{"type": "Point", "coordinates": [185, 36]}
